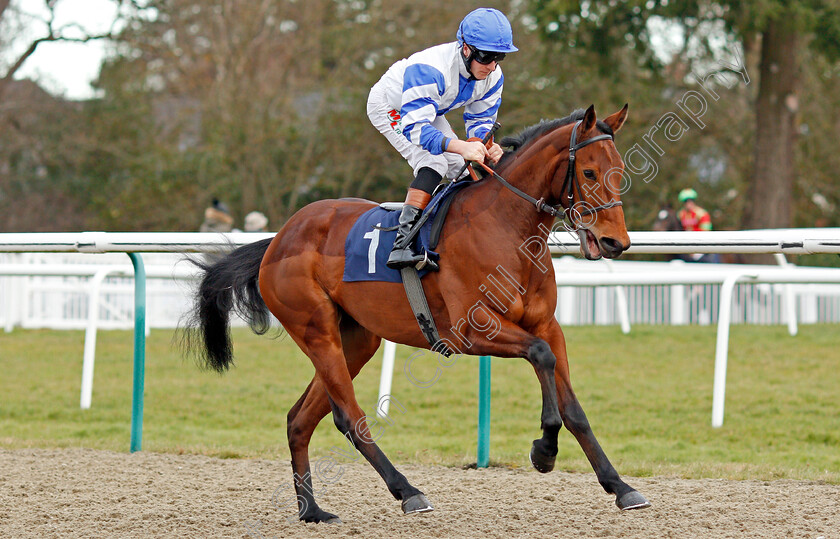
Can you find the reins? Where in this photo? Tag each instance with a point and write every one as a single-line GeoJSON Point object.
{"type": "Point", "coordinates": [540, 204]}
{"type": "Point", "coordinates": [569, 186]}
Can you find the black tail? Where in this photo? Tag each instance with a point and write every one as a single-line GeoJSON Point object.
{"type": "Point", "coordinates": [229, 284]}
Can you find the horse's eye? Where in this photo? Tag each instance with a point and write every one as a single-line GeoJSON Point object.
{"type": "Point", "coordinates": [589, 175]}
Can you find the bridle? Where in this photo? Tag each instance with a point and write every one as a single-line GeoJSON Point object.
{"type": "Point", "coordinates": [570, 185]}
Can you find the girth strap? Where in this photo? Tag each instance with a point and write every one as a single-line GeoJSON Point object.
{"type": "Point", "coordinates": [420, 308]}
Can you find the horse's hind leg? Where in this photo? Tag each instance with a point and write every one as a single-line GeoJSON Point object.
{"type": "Point", "coordinates": [575, 420]}
{"type": "Point", "coordinates": [300, 424]}
{"type": "Point", "coordinates": [359, 345]}
{"type": "Point", "coordinates": [320, 338]}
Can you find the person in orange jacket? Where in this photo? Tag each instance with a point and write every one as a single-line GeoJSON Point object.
{"type": "Point", "coordinates": [692, 216]}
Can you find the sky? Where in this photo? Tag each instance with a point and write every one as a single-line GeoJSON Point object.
{"type": "Point", "coordinates": [64, 68]}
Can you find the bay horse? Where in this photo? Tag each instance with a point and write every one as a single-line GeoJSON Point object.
{"type": "Point", "coordinates": [297, 276]}
{"type": "Point", "coordinates": [668, 221]}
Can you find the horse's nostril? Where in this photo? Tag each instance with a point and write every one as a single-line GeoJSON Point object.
{"type": "Point", "coordinates": [611, 246]}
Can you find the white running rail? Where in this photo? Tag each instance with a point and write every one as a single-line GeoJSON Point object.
{"type": "Point", "coordinates": [784, 241]}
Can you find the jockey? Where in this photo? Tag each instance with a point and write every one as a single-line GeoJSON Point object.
{"type": "Point", "coordinates": [408, 104]}
{"type": "Point", "coordinates": [692, 216]}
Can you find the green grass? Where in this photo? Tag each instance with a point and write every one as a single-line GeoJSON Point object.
{"type": "Point", "coordinates": [647, 396]}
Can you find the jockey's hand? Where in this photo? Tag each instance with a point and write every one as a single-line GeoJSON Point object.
{"type": "Point", "coordinates": [469, 150]}
{"type": "Point", "coordinates": [494, 153]}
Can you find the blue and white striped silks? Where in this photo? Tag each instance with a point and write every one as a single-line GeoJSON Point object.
{"type": "Point", "coordinates": [431, 83]}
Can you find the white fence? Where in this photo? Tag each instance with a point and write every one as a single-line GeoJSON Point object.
{"type": "Point", "coordinates": [62, 301]}
{"type": "Point", "coordinates": [56, 290]}
{"type": "Point", "coordinates": [678, 304]}
{"type": "Point", "coordinates": [683, 283]}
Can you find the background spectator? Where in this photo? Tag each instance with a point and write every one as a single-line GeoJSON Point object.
{"type": "Point", "coordinates": [256, 222]}
{"type": "Point", "coordinates": [217, 218]}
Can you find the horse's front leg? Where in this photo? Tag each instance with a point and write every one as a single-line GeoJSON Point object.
{"type": "Point", "coordinates": [544, 450]}
{"type": "Point", "coordinates": [626, 497]}
{"type": "Point", "coordinates": [509, 340]}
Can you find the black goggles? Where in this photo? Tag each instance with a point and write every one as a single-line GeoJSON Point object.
{"type": "Point", "coordinates": [485, 57]}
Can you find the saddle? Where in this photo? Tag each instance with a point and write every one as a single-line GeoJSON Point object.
{"type": "Point", "coordinates": [368, 244]}
{"type": "Point", "coordinates": [437, 211]}
{"type": "Point", "coordinates": [447, 192]}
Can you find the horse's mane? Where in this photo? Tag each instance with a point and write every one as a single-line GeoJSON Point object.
{"type": "Point", "coordinates": [534, 132]}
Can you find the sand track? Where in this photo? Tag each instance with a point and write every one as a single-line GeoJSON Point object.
{"type": "Point", "coordinates": [87, 493]}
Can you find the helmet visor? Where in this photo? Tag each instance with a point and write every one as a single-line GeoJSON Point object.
{"type": "Point", "coordinates": [486, 57]}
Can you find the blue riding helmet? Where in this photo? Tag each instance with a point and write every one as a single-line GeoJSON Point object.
{"type": "Point", "coordinates": [486, 29]}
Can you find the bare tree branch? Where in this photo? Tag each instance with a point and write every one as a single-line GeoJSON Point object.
{"type": "Point", "coordinates": [23, 57]}
{"type": "Point", "coordinates": [53, 35]}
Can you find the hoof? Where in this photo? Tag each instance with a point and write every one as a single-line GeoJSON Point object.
{"type": "Point", "coordinates": [321, 516]}
{"type": "Point", "coordinates": [539, 460]}
{"type": "Point", "coordinates": [416, 504]}
{"type": "Point", "coordinates": [632, 500]}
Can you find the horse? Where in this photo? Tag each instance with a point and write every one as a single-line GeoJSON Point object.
{"type": "Point", "coordinates": [297, 276]}
{"type": "Point", "coordinates": [668, 221]}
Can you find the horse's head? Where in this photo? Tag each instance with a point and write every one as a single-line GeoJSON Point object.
{"type": "Point", "coordinates": [667, 220]}
{"type": "Point", "coordinates": [572, 162]}
{"type": "Point", "coordinates": [589, 188]}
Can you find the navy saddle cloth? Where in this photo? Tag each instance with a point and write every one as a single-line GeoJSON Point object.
{"type": "Point", "coordinates": [366, 248]}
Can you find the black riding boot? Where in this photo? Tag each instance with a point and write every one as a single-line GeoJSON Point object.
{"type": "Point", "coordinates": [403, 254]}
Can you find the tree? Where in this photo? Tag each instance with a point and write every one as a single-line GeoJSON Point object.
{"type": "Point", "coordinates": [774, 30]}
{"type": "Point", "coordinates": [40, 134]}
{"type": "Point", "coordinates": [49, 31]}
{"type": "Point", "coordinates": [783, 28]}
{"type": "Point", "coordinates": [261, 104]}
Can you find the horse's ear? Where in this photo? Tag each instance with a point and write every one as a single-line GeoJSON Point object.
{"type": "Point", "coordinates": [615, 121]}
{"type": "Point", "coordinates": [588, 119]}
